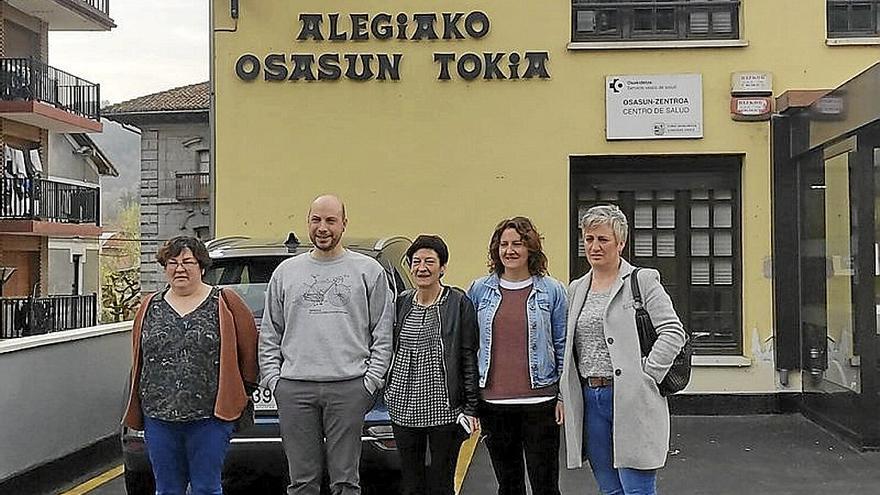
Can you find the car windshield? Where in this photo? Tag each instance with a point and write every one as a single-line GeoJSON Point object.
{"type": "Point", "coordinates": [249, 277]}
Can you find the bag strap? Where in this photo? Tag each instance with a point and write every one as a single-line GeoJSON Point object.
{"type": "Point", "coordinates": [637, 294]}
{"type": "Point", "coordinates": [644, 328]}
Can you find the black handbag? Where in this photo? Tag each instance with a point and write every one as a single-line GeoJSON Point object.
{"type": "Point", "coordinates": [680, 373]}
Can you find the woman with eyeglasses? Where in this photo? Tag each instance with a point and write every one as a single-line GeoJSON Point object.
{"type": "Point", "coordinates": [432, 391]}
{"type": "Point", "coordinates": [521, 312]}
{"type": "Point", "coordinates": [194, 355]}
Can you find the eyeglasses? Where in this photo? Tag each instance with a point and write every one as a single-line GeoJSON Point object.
{"type": "Point", "coordinates": [173, 264]}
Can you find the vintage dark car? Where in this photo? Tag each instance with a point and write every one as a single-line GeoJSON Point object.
{"type": "Point", "coordinates": [255, 454]}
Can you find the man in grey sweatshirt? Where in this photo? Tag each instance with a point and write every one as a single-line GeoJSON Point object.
{"type": "Point", "coordinates": [325, 346]}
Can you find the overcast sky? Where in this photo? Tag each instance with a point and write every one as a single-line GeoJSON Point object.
{"type": "Point", "coordinates": [157, 45]}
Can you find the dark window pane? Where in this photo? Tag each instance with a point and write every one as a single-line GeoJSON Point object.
{"type": "Point", "coordinates": [665, 19]}
{"type": "Point", "coordinates": [860, 18]}
{"type": "Point", "coordinates": [656, 19]}
{"type": "Point", "coordinates": [837, 19]}
{"type": "Point", "coordinates": [607, 22]}
{"type": "Point", "coordinates": [643, 20]}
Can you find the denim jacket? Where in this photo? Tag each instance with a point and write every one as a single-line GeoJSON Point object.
{"type": "Point", "coordinates": [547, 314]}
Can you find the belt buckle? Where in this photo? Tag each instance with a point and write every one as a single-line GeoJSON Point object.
{"type": "Point", "coordinates": [598, 381]}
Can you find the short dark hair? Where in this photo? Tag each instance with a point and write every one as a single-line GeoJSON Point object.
{"type": "Point", "coordinates": [427, 241]}
{"type": "Point", "coordinates": [530, 237]}
{"type": "Point", "coordinates": [174, 246]}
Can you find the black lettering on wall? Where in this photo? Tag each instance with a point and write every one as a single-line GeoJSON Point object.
{"type": "Point", "coordinates": [276, 67]}
{"type": "Point", "coordinates": [402, 21]}
{"type": "Point", "coordinates": [359, 26]}
{"type": "Point", "coordinates": [425, 27]}
{"type": "Point", "coordinates": [537, 65]}
{"type": "Point", "coordinates": [450, 26]}
{"type": "Point", "coordinates": [302, 67]}
{"type": "Point", "coordinates": [470, 65]}
{"type": "Point", "coordinates": [328, 67]}
{"type": "Point", "coordinates": [311, 27]}
{"type": "Point", "coordinates": [476, 19]}
{"type": "Point", "coordinates": [492, 71]}
{"type": "Point", "coordinates": [247, 67]}
{"type": "Point", "coordinates": [352, 72]}
{"type": "Point", "coordinates": [514, 59]}
{"type": "Point", "coordinates": [444, 59]}
{"type": "Point", "coordinates": [335, 35]}
{"type": "Point", "coordinates": [381, 27]}
{"type": "Point", "coordinates": [389, 66]}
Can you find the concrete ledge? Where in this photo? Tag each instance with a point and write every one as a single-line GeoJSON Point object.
{"type": "Point", "coordinates": [22, 343]}
{"type": "Point", "coordinates": [655, 45]}
{"type": "Point", "coordinates": [852, 41]}
{"type": "Point", "coordinates": [721, 361]}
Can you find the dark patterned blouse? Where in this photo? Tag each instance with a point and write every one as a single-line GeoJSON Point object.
{"type": "Point", "coordinates": [181, 360]}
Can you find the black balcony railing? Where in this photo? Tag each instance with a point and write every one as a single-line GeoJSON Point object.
{"type": "Point", "coordinates": [101, 5]}
{"type": "Point", "coordinates": [193, 186]}
{"type": "Point", "coordinates": [48, 200]}
{"type": "Point", "coordinates": [32, 80]}
{"type": "Point", "coordinates": [25, 316]}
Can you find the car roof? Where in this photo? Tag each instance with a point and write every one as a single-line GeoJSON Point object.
{"type": "Point", "coordinates": [236, 246]}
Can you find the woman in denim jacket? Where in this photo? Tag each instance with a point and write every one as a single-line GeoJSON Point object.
{"type": "Point", "coordinates": [521, 313]}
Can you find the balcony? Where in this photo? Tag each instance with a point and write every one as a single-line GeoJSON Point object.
{"type": "Point", "coordinates": [193, 186]}
{"type": "Point", "coordinates": [69, 15]}
{"type": "Point", "coordinates": [40, 95]}
{"type": "Point", "coordinates": [48, 207]}
{"type": "Point", "coordinates": [24, 316]}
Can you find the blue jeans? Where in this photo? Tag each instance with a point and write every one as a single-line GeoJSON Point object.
{"type": "Point", "coordinates": [598, 428]}
{"type": "Point", "coordinates": [187, 453]}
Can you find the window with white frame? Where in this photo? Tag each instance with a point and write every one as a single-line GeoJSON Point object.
{"type": "Point", "coordinates": [853, 18]}
{"type": "Point", "coordinates": [654, 20]}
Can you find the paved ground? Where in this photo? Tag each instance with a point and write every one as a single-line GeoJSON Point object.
{"type": "Point", "coordinates": [773, 455]}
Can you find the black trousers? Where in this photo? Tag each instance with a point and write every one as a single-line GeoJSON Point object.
{"type": "Point", "coordinates": [514, 430]}
{"type": "Point", "coordinates": [438, 478]}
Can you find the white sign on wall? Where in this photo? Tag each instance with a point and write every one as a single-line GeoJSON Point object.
{"type": "Point", "coordinates": [663, 106]}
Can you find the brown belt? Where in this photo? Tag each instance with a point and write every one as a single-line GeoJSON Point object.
{"type": "Point", "coordinates": [598, 381]}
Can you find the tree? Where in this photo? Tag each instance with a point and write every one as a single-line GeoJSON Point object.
{"type": "Point", "coordinates": [120, 266]}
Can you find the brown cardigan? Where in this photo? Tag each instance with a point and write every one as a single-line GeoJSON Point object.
{"type": "Point", "coordinates": [238, 360]}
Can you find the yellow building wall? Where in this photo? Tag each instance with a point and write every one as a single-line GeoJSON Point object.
{"type": "Point", "coordinates": [454, 157]}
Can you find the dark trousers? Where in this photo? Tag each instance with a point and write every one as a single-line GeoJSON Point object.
{"type": "Point", "coordinates": [439, 477]}
{"type": "Point", "coordinates": [511, 431]}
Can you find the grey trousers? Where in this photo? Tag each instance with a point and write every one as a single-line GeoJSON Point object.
{"type": "Point", "coordinates": [321, 423]}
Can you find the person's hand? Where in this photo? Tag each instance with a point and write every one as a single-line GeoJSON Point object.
{"type": "Point", "coordinates": [560, 412]}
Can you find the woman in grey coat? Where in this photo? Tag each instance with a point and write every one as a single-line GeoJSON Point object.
{"type": "Point", "coordinates": [615, 416]}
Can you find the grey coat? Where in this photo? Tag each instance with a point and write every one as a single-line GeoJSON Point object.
{"type": "Point", "coordinates": [641, 414]}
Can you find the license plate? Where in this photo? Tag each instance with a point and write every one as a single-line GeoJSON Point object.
{"type": "Point", "coordinates": [263, 400]}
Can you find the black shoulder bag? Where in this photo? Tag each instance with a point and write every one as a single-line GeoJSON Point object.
{"type": "Point", "coordinates": [680, 373]}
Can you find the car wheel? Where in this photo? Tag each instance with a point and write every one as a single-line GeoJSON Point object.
{"type": "Point", "coordinates": [139, 483]}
